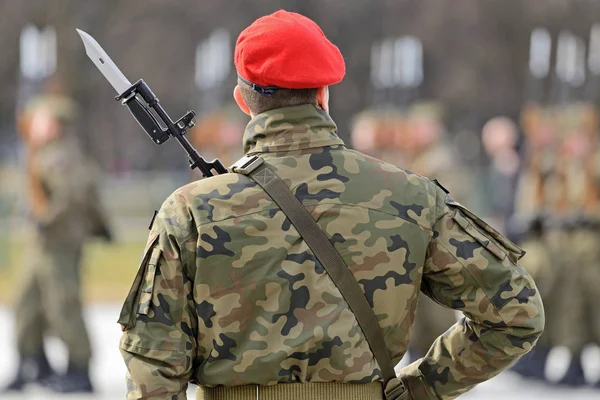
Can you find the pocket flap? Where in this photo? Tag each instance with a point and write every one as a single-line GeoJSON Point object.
{"type": "Point", "coordinates": [148, 282]}
{"type": "Point", "coordinates": [128, 314]}
{"type": "Point", "coordinates": [480, 230]}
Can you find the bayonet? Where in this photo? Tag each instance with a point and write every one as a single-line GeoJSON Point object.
{"type": "Point", "coordinates": [103, 62]}
{"type": "Point", "coordinates": [140, 100]}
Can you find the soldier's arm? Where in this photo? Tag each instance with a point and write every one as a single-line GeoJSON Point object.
{"type": "Point", "coordinates": [158, 344]}
{"type": "Point", "coordinates": [473, 269]}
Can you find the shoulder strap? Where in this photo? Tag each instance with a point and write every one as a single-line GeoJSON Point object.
{"type": "Point", "coordinates": [257, 170]}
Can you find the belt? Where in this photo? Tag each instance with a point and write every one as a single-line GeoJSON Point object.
{"type": "Point", "coordinates": [294, 391]}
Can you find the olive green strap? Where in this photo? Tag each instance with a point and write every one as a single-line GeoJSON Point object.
{"type": "Point", "coordinates": [255, 168]}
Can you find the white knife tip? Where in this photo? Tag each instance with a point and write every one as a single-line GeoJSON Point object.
{"type": "Point", "coordinates": [82, 34]}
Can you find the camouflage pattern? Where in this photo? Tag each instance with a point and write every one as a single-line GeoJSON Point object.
{"type": "Point", "coordinates": [49, 298]}
{"type": "Point", "coordinates": [229, 294]}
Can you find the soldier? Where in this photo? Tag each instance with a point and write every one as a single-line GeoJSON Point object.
{"type": "Point", "coordinates": [234, 295]}
{"type": "Point", "coordinates": [499, 138]}
{"type": "Point", "coordinates": [574, 239]}
{"type": "Point", "coordinates": [65, 211]}
{"type": "Point", "coordinates": [558, 196]}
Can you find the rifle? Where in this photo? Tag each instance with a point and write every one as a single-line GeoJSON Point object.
{"type": "Point", "coordinates": [146, 109]}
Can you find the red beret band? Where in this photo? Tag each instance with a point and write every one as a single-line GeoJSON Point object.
{"type": "Point", "coordinates": [264, 90]}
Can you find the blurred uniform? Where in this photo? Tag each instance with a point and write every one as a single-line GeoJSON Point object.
{"type": "Point", "coordinates": [379, 133]}
{"type": "Point", "coordinates": [65, 211]}
{"type": "Point", "coordinates": [532, 197]}
{"type": "Point", "coordinates": [557, 195]}
{"type": "Point", "coordinates": [218, 134]}
{"type": "Point", "coordinates": [428, 154]}
{"type": "Point", "coordinates": [574, 242]}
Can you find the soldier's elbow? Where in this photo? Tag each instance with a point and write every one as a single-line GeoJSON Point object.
{"type": "Point", "coordinates": [529, 325]}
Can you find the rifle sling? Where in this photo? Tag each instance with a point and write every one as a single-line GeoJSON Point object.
{"type": "Point", "coordinates": [257, 170]}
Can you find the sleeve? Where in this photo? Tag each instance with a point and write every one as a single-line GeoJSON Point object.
{"type": "Point", "coordinates": [159, 340]}
{"type": "Point", "coordinates": [472, 268]}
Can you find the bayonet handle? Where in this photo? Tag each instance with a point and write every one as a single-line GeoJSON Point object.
{"type": "Point", "coordinates": [147, 121]}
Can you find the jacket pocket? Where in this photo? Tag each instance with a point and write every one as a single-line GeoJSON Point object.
{"type": "Point", "coordinates": [485, 234]}
{"type": "Point", "coordinates": [132, 305]}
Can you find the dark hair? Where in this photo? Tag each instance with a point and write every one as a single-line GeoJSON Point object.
{"type": "Point", "coordinates": [259, 103]}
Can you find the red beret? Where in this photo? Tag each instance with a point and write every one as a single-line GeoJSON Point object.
{"type": "Point", "coordinates": [287, 50]}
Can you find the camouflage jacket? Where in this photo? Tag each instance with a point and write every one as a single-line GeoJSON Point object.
{"type": "Point", "coordinates": [228, 293]}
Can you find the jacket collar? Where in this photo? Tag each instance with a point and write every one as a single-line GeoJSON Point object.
{"type": "Point", "coordinates": [291, 128]}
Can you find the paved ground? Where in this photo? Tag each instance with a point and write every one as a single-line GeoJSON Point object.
{"type": "Point", "coordinates": [108, 369]}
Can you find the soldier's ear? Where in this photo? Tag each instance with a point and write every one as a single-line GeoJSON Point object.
{"type": "Point", "coordinates": [237, 96]}
{"type": "Point", "coordinates": [323, 98]}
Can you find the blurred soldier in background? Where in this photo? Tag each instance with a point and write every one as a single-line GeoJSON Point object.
{"type": "Point", "coordinates": [556, 210]}
{"type": "Point", "coordinates": [574, 238]}
{"type": "Point", "coordinates": [65, 212]}
{"type": "Point", "coordinates": [218, 134]}
{"type": "Point", "coordinates": [379, 133]}
{"type": "Point", "coordinates": [499, 138]}
{"type": "Point", "coordinates": [556, 222]}
{"type": "Point", "coordinates": [428, 153]}
{"type": "Point", "coordinates": [364, 132]}
{"type": "Point", "coordinates": [528, 225]}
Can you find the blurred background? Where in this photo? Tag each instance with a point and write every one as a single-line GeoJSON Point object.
{"type": "Point", "coordinates": [498, 100]}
